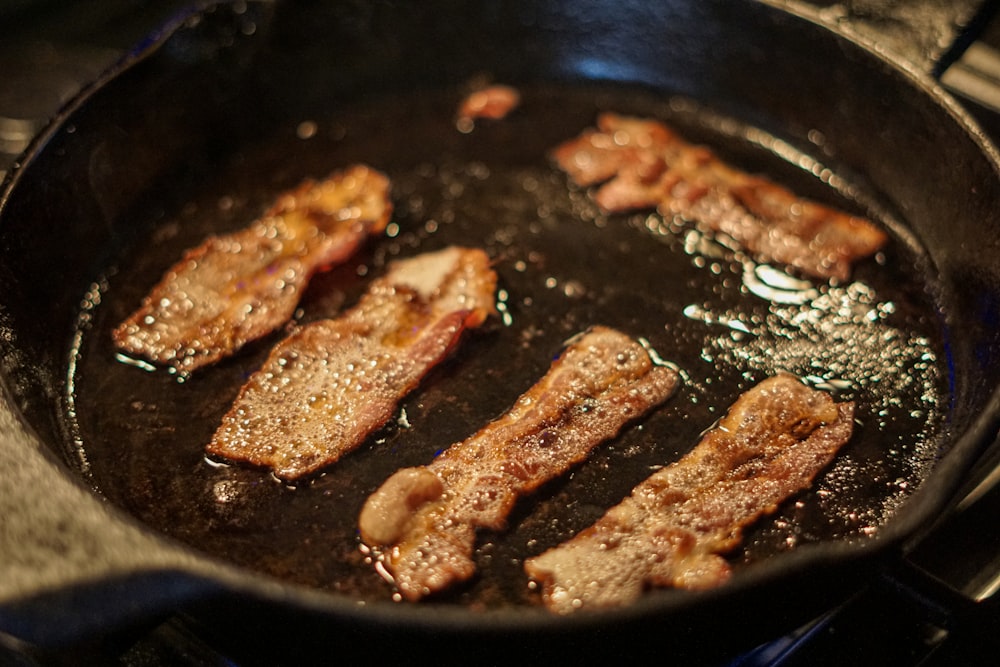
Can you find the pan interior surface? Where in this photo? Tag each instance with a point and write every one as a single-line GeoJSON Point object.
{"type": "Point", "coordinates": [725, 320]}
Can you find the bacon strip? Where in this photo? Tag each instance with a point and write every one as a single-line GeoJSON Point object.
{"type": "Point", "coordinates": [645, 164]}
{"type": "Point", "coordinates": [235, 288]}
{"type": "Point", "coordinates": [672, 528]}
{"type": "Point", "coordinates": [493, 102]}
{"type": "Point", "coordinates": [426, 517]}
{"type": "Point", "coordinates": [325, 388]}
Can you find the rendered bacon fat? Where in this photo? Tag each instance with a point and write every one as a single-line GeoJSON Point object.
{"type": "Point", "coordinates": [324, 389]}
{"type": "Point", "coordinates": [645, 164]}
{"type": "Point", "coordinates": [673, 527]}
{"type": "Point", "coordinates": [235, 288]}
{"type": "Point", "coordinates": [426, 517]}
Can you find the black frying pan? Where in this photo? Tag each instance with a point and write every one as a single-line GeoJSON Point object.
{"type": "Point", "coordinates": [111, 513]}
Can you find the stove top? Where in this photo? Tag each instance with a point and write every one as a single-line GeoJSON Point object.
{"type": "Point", "coordinates": [50, 50]}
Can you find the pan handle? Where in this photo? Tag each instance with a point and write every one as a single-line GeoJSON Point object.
{"type": "Point", "coordinates": [68, 575]}
{"type": "Point", "coordinates": [929, 35]}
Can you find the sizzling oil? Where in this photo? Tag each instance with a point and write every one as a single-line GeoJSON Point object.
{"type": "Point", "coordinates": [725, 320]}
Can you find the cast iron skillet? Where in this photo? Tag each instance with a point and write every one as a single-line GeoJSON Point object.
{"type": "Point", "coordinates": [112, 515]}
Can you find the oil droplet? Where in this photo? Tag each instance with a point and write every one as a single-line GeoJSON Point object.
{"type": "Point", "coordinates": [138, 363]}
{"type": "Point", "coordinates": [695, 312]}
{"type": "Point", "coordinates": [306, 130]}
{"type": "Point", "coordinates": [776, 286]}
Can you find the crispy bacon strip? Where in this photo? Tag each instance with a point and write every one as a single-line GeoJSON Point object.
{"type": "Point", "coordinates": [672, 528]}
{"type": "Point", "coordinates": [235, 288]}
{"type": "Point", "coordinates": [426, 517]}
{"type": "Point", "coordinates": [325, 388]}
{"type": "Point", "coordinates": [645, 164]}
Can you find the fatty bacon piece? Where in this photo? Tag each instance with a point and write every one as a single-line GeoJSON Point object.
{"type": "Point", "coordinates": [237, 287]}
{"type": "Point", "coordinates": [425, 518]}
{"type": "Point", "coordinates": [642, 163]}
{"type": "Point", "coordinates": [672, 528]}
{"type": "Point", "coordinates": [325, 388]}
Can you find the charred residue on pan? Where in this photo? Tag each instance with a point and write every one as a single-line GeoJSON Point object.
{"type": "Point", "coordinates": [725, 320]}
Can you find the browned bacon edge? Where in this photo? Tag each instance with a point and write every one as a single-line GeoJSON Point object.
{"type": "Point", "coordinates": [237, 287]}
{"type": "Point", "coordinates": [425, 518]}
{"type": "Point", "coordinates": [644, 163]}
{"type": "Point", "coordinates": [325, 388]}
{"type": "Point", "coordinates": [673, 527]}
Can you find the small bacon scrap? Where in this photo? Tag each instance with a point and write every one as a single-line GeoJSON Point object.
{"type": "Point", "coordinates": [325, 388]}
{"type": "Point", "coordinates": [672, 528]}
{"type": "Point", "coordinates": [641, 163]}
{"type": "Point", "coordinates": [426, 517]}
{"type": "Point", "coordinates": [235, 288]}
{"type": "Point", "coordinates": [493, 102]}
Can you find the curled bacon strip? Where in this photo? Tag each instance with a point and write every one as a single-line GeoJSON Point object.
{"type": "Point", "coordinates": [643, 163]}
{"type": "Point", "coordinates": [235, 288]}
{"type": "Point", "coordinates": [325, 388]}
{"type": "Point", "coordinates": [426, 517]}
{"type": "Point", "coordinates": [672, 528]}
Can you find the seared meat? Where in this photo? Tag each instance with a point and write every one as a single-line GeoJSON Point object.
{"type": "Point", "coordinates": [644, 164]}
{"type": "Point", "coordinates": [493, 102]}
{"type": "Point", "coordinates": [426, 518]}
{"type": "Point", "coordinates": [325, 388]}
{"type": "Point", "coordinates": [672, 528]}
{"type": "Point", "coordinates": [235, 288]}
